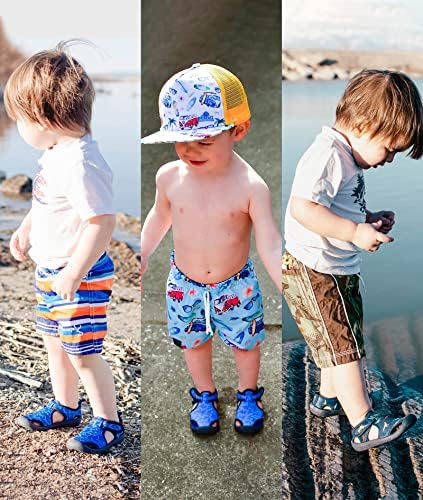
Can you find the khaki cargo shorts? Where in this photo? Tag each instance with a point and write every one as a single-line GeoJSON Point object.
{"type": "Point", "coordinates": [328, 311]}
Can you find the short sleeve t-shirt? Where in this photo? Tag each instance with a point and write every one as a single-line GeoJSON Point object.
{"type": "Point", "coordinates": [73, 184]}
{"type": "Point", "coordinates": [327, 174]}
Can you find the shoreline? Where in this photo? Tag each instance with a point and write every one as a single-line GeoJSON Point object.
{"type": "Point", "coordinates": [331, 64]}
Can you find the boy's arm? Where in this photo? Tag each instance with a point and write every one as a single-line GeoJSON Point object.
{"type": "Point", "coordinates": [321, 220]}
{"type": "Point", "coordinates": [93, 242]}
{"type": "Point", "coordinates": [157, 222]}
{"type": "Point", "coordinates": [19, 241]}
{"type": "Point", "coordinates": [267, 236]}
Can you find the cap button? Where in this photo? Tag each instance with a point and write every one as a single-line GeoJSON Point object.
{"type": "Point", "coordinates": [195, 65]}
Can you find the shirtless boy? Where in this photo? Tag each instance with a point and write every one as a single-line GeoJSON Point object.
{"type": "Point", "coordinates": [212, 199]}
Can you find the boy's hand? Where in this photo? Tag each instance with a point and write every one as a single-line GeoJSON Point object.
{"type": "Point", "coordinates": [143, 269]}
{"type": "Point", "coordinates": [19, 243]}
{"type": "Point", "coordinates": [65, 285]}
{"type": "Point", "coordinates": [369, 237]}
{"type": "Point", "coordinates": [386, 216]}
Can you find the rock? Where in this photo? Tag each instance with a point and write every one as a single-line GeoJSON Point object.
{"type": "Point", "coordinates": [324, 73]}
{"type": "Point", "coordinates": [292, 76]}
{"type": "Point", "coordinates": [128, 222]}
{"type": "Point", "coordinates": [2, 174]}
{"type": "Point", "coordinates": [16, 185]}
{"type": "Point", "coordinates": [327, 62]}
{"type": "Point", "coordinates": [341, 73]}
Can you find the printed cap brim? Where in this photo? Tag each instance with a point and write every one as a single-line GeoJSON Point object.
{"type": "Point", "coordinates": [172, 136]}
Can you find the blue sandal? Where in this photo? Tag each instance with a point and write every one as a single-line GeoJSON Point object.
{"type": "Point", "coordinates": [204, 417]}
{"type": "Point", "coordinates": [42, 419]}
{"type": "Point", "coordinates": [249, 415]}
{"type": "Point", "coordinates": [389, 428]}
{"type": "Point", "coordinates": [92, 437]}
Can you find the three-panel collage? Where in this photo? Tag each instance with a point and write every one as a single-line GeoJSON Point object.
{"type": "Point", "coordinates": [210, 229]}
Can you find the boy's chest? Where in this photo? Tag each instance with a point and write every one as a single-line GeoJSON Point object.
{"type": "Point", "coordinates": [352, 194]}
{"type": "Point", "coordinates": [209, 202]}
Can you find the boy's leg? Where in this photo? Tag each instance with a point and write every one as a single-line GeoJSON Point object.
{"type": "Point", "coordinates": [351, 389]}
{"type": "Point", "coordinates": [200, 366]}
{"type": "Point", "coordinates": [97, 379]}
{"type": "Point", "coordinates": [248, 366]}
{"type": "Point", "coordinates": [64, 378]}
{"type": "Point", "coordinates": [327, 386]}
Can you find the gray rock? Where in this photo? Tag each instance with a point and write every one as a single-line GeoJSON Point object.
{"type": "Point", "coordinates": [16, 185]}
{"type": "Point", "coordinates": [2, 175]}
{"type": "Point", "coordinates": [324, 73]}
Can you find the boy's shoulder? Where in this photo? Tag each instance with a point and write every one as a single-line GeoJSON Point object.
{"type": "Point", "coordinates": [328, 144]}
{"type": "Point", "coordinates": [250, 173]}
{"type": "Point", "coordinates": [167, 172]}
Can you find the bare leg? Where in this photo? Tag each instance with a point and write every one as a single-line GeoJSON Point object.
{"type": "Point", "coordinates": [350, 384]}
{"type": "Point", "coordinates": [199, 363]}
{"type": "Point", "coordinates": [248, 366]}
{"type": "Point", "coordinates": [97, 379]}
{"type": "Point", "coordinates": [327, 387]}
{"type": "Point", "coordinates": [64, 378]}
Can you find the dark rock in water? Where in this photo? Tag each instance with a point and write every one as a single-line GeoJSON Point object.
{"type": "Point", "coordinates": [327, 62]}
{"type": "Point", "coordinates": [16, 185]}
{"type": "Point", "coordinates": [2, 176]}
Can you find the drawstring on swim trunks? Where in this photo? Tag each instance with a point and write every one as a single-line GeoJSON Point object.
{"type": "Point", "coordinates": [206, 300]}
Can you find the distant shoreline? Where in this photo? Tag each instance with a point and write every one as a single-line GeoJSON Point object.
{"type": "Point", "coordinates": [330, 64]}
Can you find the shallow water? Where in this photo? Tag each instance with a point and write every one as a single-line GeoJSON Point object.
{"type": "Point", "coordinates": [394, 275]}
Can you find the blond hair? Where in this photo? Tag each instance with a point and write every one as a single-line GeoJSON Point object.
{"type": "Point", "coordinates": [51, 87]}
{"type": "Point", "coordinates": [386, 105]}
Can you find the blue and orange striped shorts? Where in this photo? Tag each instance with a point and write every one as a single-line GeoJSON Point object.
{"type": "Point", "coordinates": [82, 322]}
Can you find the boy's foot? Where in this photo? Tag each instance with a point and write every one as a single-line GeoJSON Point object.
{"type": "Point", "coordinates": [93, 439]}
{"type": "Point", "coordinates": [204, 417]}
{"type": "Point", "coordinates": [375, 430]}
{"type": "Point", "coordinates": [52, 416]}
{"type": "Point", "coordinates": [249, 418]}
{"type": "Point", "coordinates": [325, 407]}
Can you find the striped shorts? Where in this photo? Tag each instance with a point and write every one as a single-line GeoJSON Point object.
{"type": "Point", "coordinates": [80, 323]}
{"type": "Point", "coordinates": [328, 311]}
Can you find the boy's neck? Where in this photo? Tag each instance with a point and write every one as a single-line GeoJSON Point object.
{"type": "Point", "coordinates": [62, 138]}
{"type": "Point", "coordinates": [346, 133]}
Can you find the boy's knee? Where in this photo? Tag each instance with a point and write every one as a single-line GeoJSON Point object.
{"type": "Point", "coordinates": [82, 361]}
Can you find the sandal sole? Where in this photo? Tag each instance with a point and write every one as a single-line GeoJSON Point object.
{"type": "Point", "coordinates": [245, 429]}
{"type": "Point", "coordinates": [408, 422]}
{"type": "Point", "coordinates": [75, 445]}
{"type": "Point", "coordinates": [26, 424]}
{"type": "Point", "coordinates": [206, 431]}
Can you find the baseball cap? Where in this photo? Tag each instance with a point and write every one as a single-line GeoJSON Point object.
{"type": "Point", "coordinates": [199, 102]}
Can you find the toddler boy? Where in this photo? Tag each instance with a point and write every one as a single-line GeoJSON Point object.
{"type": "Point", "coordinates": [68, 229]}
{"type": "Point", "coordinates": [212, 199]}
{"type": "Point", "coordinates": [327, 226]}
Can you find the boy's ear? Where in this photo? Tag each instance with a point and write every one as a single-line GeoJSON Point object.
{"type": "Point", "coordinates": [359, 129]}
{"type": "Point", "coordinates": [241, 130]}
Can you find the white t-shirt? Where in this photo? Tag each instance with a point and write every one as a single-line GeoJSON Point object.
{"type": "Point", "coordinates": [327, 174]}
{"type": "Point", "coordinates": [73, 184]}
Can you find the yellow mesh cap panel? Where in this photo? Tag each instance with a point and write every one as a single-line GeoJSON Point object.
{"type": "Point", "coordinates": [234, 98]}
